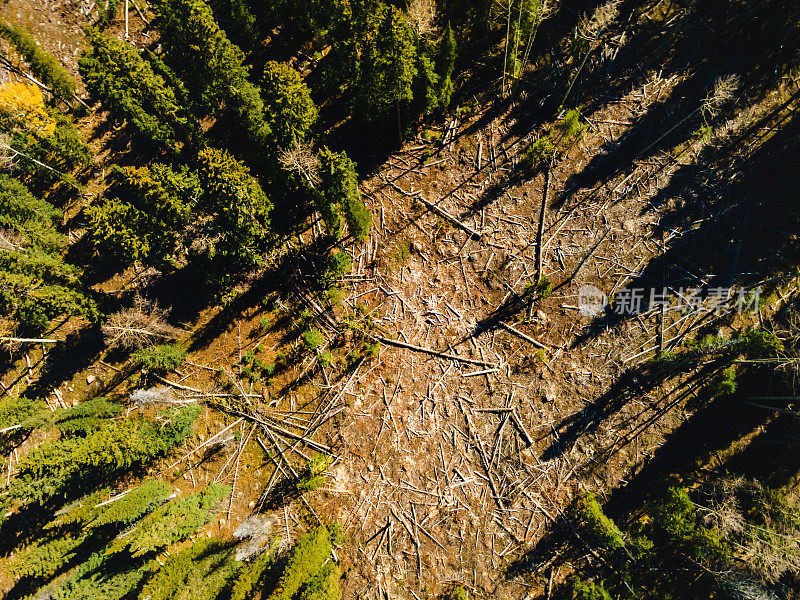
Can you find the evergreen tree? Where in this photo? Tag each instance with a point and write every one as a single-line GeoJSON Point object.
{"type": "Point", "coordinates": [76, 515]}
{"type": "Point", "coordinates": [304, 563]}
{"type": "Point", "coordinates": [55, 468]}
{"type": "Point", "coordinates": [340, 196]}
{"type": "Point", "coordinates": [97, 579]}
{"type": "Point", "coordinates": [42, 143]}
{"type": "Point", "coordinates": [173, 522]}
{"type": "Point", "coordinates": [131, 88]}
{"type": "Point", "coordinates": [250, 573]}
{"type": "Point", "coordinates": [146, 215]}
{"type": "Point", "coordinates": [55, 158]}
{"type": "Point", "coordinates": [287, 101]}
{"type": "Point", "coordinates": [240, 209]}
{"type": "Point", "coordinates": [43, 559]}
{"type": "Point", "coordinates": [324, 585]}
{"type": "Point", "coordinates": [36, 285]}
{"type": "Point", "coordinates": [445, 63]}
{"type": "Point", "coordinates": [388, 66]}
{"type": "Point", "coordinates": [599, 525]}
{"type": "Point", "coordinates": [211, 65]}
{"type": "Point", "coordinates": [426, 82]}
{"type": "Point", "coordinates": [43, 65]}
{"type": "Point", "coordinates": [141, 500]}
{"type": "Point", "coordinates": [199, 572]}
{"type": "Point", "coordinates": [86, 416]}
{"type": "Point", "coordinates": [21, 414]}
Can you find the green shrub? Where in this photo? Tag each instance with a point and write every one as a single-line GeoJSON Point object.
{"type": "Point", "coordinates": [160, 359]}
{"type": "Point", "coordinates": [456, 592]}
{"type": "Point", "coordinates": [313, 339]}
{"type": "Point", "coordinates": [325, 359]}
{"type": "Point", "coordinates": [584, 590]}
{"type": "Point", "coordinates": [599, 525]}
{"type": "Point", "coordinates": [539, 153]}
{"type": "Point", "coordinates": [313, 474]}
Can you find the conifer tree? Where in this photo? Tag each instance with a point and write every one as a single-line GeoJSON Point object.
{"type": "Point", "coordinates": [19, 414]}
{"type": "Point", "coordinates": [445, 64]}
{"type": "Point", "coordinates": [141, 500]}
{"type": "Point", "coordinates": [199, 572]}
{"type": "Point", "coordinates": [56, 468]}
{"type": "Point", "coordinates": [287, 101]}
{"type": "Point", "coordinates": [388, 67]}
{"type": "Point", "coordinates": [426, 82]}
{"type": "Point", "coordinates": [304, 563]}
{"type": "Point", "coordinates": [43, 65]}
{"type": "Point", "coordinates": [145, 215]}
{"type": "Point", "coordinates": [211, 65]}
{"type": "Point", "coordinates": [324, 585]}
{"type": "Point", "coordinates": [97, 580]}
{"type": "Point", "coordinates": [240, 208]}
{"type": "Point", "coordinates": [86, 416]}
{"type": "Point", "coordinates": [43, 559]}
{"type": "Point", "coordinates": [36, 285]}
{"type": "Point", "coordinates": [340, 196]}
{"type": "Point", "coordinates": [131, 88]}
{"type": "Point", "coordinates": [172, 522]}
{"type": "Point", "coordinates": [250, 573]}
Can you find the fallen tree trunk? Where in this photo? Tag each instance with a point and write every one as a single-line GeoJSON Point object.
{"type": "Point", "coordinates": [399, 344]}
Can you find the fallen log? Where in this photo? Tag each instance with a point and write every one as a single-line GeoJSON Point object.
{"type": "Point", "coordinates": [524, 336]}
{"type": "Point", "coordinates": [399, 344]}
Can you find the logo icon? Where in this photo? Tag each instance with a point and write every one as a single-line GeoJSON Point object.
{"type": "Point", "coordinates": [591, 301]}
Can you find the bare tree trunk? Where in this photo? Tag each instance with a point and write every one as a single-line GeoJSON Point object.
{"type": "Point", "coordinates": [540, 229]}
{"type": "Point", "coordinates": [399, 125]}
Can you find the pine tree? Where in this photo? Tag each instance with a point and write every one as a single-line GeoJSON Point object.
{"type": "Point", "coordinates": [58, 468]}
{"type": "Point", "coordinates": [36, 285]}
{"type": "Point", "coordinates": [287, 101]}
{"type": "Point", "coordinates": [304, 563]}
{"type": "Point", "coordinates": [145, 215]}
{"type": "Point", "coordinates": [132, 89]}
{"type": "Point", "coordinates": [173, 522]}
{"type": "Point", "coordinates": [388, 67]}
{"type": "Point", "coordinates": [445, 63]}
{"type": "Point", "coordinates": [43, 65]}
{"type": "Point", "coordinates": [340, 196]}
{"type": "Point", "coordinates": [141, 500]}
{"type": "Point", "coordinates": [86, 416]}
{"type": "Point", "coordinates": [240, 208]}
{"type": "Point", "coordinates": [211, 65]}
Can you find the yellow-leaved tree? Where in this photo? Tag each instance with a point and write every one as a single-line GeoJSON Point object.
{"type": "Point", "coordinates": [22, 109]}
